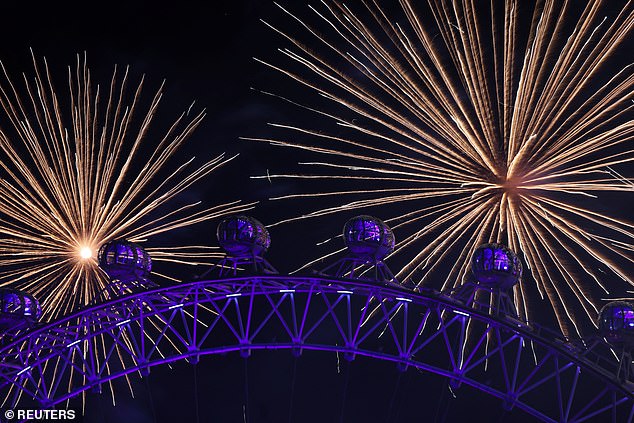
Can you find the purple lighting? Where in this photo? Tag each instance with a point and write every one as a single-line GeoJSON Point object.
{"type": "Point", "coordinates": [17, 309]}
{"type": "Point", "coordinates": [495, 264]}
{"type": "Point", "coordinates": [243, 236]}
{"type": "Point", "coordinates": [616, 322]}
{"type": "Point", "coordinates": [122, 259]}
{"type": "Point", "coordinates": [368, 236]}
{"type": "Point", "coordinates": [422, 335]}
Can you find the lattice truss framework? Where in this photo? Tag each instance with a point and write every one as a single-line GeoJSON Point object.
{"type": "Point", "coordinates": [552, 380]}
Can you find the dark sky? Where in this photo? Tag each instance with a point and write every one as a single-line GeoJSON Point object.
{"type": "Point", "coordinates": [205, 52]}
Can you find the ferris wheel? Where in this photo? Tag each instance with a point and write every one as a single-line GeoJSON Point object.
{"type": "Point", "coordinates": [353, 308]}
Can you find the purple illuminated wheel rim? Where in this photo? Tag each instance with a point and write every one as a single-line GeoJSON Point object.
{"type": "Point", "coordinates": [314, 313]}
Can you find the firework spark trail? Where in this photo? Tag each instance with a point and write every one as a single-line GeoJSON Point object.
{"type": "Point", "coordinates": [511, 122]}
{"type": "Point", "coordinates": [79, 171]}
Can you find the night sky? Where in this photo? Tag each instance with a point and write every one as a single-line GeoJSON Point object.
{"type": "Point", "coordinates": [205, 54]}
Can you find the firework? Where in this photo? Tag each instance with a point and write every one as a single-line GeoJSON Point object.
{"type": "Point", "coordinates": [81, 169]}
{"type": "Point", "coordinates": [460, 124]}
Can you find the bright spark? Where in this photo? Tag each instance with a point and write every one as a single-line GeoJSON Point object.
{"type": "Point", "coordinates": [84, 166]}
{"type": "Point", "coordinates": [85, 253]}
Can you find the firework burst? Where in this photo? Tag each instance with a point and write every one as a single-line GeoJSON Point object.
{"type": "Point", "coordinates": [461, 124]}
{"type": "Point", "coordinates": [81, 170]}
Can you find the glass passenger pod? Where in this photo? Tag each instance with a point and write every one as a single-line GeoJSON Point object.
{"type": "Point", "coordinates": [496, 265]}
{"type": "Point", "coordinates": [17, 309]}
{"type": "Point", "coordinates": [368, 236]}
{"type": "Point", "coordinates": [124, 259]}
{"type": "Point", "coordinates": [616, 321]}
{"type": "Point", "coordinates": [243, 236]}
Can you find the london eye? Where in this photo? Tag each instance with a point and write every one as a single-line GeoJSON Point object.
{"type": "Point", "coordinates": [444, 235]}
{"type": "Point", "coordinates": [351, 309]}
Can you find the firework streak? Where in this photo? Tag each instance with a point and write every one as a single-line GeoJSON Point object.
{"type": "Point", "coordinates": [462, 124]}
{"type": "Point", "coordinates": [81, 170]}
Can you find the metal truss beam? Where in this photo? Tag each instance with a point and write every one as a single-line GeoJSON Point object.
{"type": "Point", "coordinates": [553, 380]}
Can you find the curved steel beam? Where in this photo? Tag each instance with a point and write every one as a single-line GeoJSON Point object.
{"type": "Point", "coordinates": [549, 378]}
